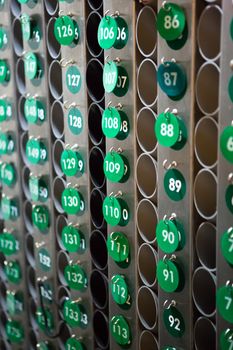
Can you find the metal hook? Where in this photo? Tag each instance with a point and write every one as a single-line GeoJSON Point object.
{"type": "Point", "coordinates": [75, 146]}
{"type": "Point", "coordinates": [173, 164]}
{"type": "Point", "coordinates": [116, 14]}
{"type": "Point", "coordinates": [64, 64]}
{"type": "Point", "coordinates": [173, 216]}
{"type": "Point", "coordinates": [231, 64]}
{"type": "Point", "coordinates": [112, 149]}
{"type": "Point", "coordinates": [106, 12]}
{"type": "Point", "coordinates": [164, 258]}
{"type": "Point", "coordinates": [172, 303]}
{"type": "Point", "coordinates": [119, 106]}
{"type": "Point", "coordinates": [118, 194]}
{"type": "Point", "coordinates": [230, 178]}
{"type": "Point", "coordinates": [165, 6]}
{"type": "Point", "coordinates": [109, 104]}
{"type": "Point", "coordinates": [167, 63]}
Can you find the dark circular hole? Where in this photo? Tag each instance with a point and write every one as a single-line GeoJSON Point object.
{"type": "Point", "coordinates": [15, 7]}
{"type": "Point", "coordinates": [55, 80]}
{"type": "Point", "coordinates": [51, 6]}
{"type": "Point", "coordinates": [93, 22]}
{"type": "Point", "coordinates": [20, 76]}
{"type": "Point", "coordinates": [30, 249]}
{"type": "Point", "coordinates": [99, 289]}
{"type": "Point", "coordinates": [96, 202]}
{"type": "Point", "coordinates": [100, 326]}
{"type": "Point", "coordinates": [21, 117]}
{"type": "Point", "coordinates": [98, 249]}
{"type": "Point", "coordinates": [17, 37]}
{"type": "Point", "coordinates": [52, 44]}
{"type": "Point", "coordinates": [25, 181]}
{"type": "Point", "coordinates": [94, 81]}
{"type": "Point", "coordinates": [57, 119]}
{"type": "Point", "coordinates": [96, 160]}
{"type": "Point", "coordinates": [94, 124]}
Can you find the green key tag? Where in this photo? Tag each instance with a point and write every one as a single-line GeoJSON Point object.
{"type": "Point", "coordinates": [115, 79]}
{"type": "Point", "coordinates": [7, 143]}
{"type": "Point", "coordinates": [13, 271]}
{"type": "Point", "coordinates": [115, 124]}
{"type": "Point", "coordinates": [169, 237]}
{"type": "Point", "coordinates": [8, 174]}
{"type": "Point", "coordinates": [71, 238]}
{"type": "Point", "coordinates": [172, 79]}
{"type": "Point", "coordinates": [72, 201]}
{"type": "Point", "coordinates": [34, 111]}
{"type": "Point", "coordinates": [3, 38]}
{"type": "Point", "coordinates": [73, 344]}
{"type": "Point", "coordinates": [226, 339]}
{"type": "Point", "coordinates": [170, 131]}
{"type": "Point", "coordinates": [74, 314]}
{"type": "Point", "coordinates": [5, 110]}
{"type": "Point", "coordinates": [40, 217]}
{"type": "Point", "coordinates": [73, 79]}
{"type": "Point", "coordinates": [14, 331]}
{"type": "Point", "coordinates": [14, 302]}
{"type": "Point", "coordinates": [36, 151]}
{"type": "Point", "coordinates": [174, 322]}
{"type": "Point", "coordinates": [38, 188]}
{"type": "Point", "coordinates": [72, 163]}
{"type": "Point", "coordinates": [44, 319]}
{"type": "Point", "coordinates": [227, 245]}
{"type": "Point", "coordinates": [75, 277]}
{"type": "Point", "coordinates": [171, 21]}
{"type": "Point", "coordinates": [9, 208]}
{"type": "Point", "coordinates": [32, 66]}
{"type": "Point", "coordinates": [4, 72]}
{"type": "Point", "coordinates": [168, 275]}
{"type": "Point", "coordinates": [226, 143]}
{"type": "Point", "coordinates": [118, 246]}
{"type": "Point", "coordinates": [120, 290]}
{"type": "Point", "coordinates": [26, 26]}
{"type": "Point", "coordinates": [174, 184]}
{"type": "Point", "coordinates": [66, 31]}
{"type": "Point", "coordinates": [230, 89]}
{"type": "Point", "coordinates": [225, 302]}
{"type": "Point", "coordinates": [115, 211]}
{"type": "Point", "coordinates": [9, 245]}
{"type": "Point", "coordinates": [75, 121]}
{"type": "Point", "coordinates": [116, 167]}
{"type": "Point", "coordinates": [120, 330]}
{"type": "Point", "coordinates": [178, 43]}
{"type": "Point", "coordinates": [44, 260]}
{"type": "Point", "coordinates": [229, 198]}
{"type": "Point", "coordinates": [112, 32]}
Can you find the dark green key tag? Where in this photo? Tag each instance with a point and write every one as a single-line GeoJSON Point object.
{"type": "Point", "coordinates": [40, 217]}
{"type": "Point", "coordinates": [8, 174]}
{"type": "Point", "coordinates": [115, 211]}
{"type": "Point", "coordinates": [4, 72]}
{"type": "Point", "coordinates": [112, 32]}
{"type": "Point", "coordinates": [172, 79]}
{"type": "Point", "coordinates": [3, 38]}
{"type": "Point", "coordinates": [14, 331]}
{"type": "Point", "coordinates": [170, 235]}
{"type": "Point", "coordinates": [120, 290]}
{"type": "Point", "coordinates": [226, 339]}
{"type": "Point", "coordinates": [115, 79]}
{"type": "Point", "coordinates": [225, 302]}
{"type": "Point", "coordinates": [44, 260]}
{"type": "Point", "coordinates": [45, 319]}
{"type": "Point", "coordinates": [168, 275]}
{"type": "Point", "coordinates": [226, 143]}
{"type": "Point", "coordinates": [72, 163]}
{"type": "Point", "coordinates": [73, 239]}
{"type": "Point", "coordinates": [34, 111]}
{"type": "Point", "coordinates": [66, 31]}
{"type": "Point", "coordinates": [75, 121]}
{"type": "Point", "coordinates": [73, 79]}
{"type": "Point", "coordinates": [174, 322]}
{"type": "Point", "coordinates": [72, 201]}
{"type": "Point", "coordinates": [72, 343]}
{"type": "Point", "coordinates": [115, 123]}
{"type": "Point", "coordinates": [7, 143]}
{"type": "Point", "coordinates": [36, 151]}
{"type": "Point", "coordinates": [227, 245]}
{"type": "Point", "coordinates": [9, 208]}
{"type": "Point", "coordinates": [9, 245]}
{"type": "Point", "coordinates": [120, 330]}
{"type": "Point", "coordinates": [118, 246]}
{"type": "Point", "coordinates": [38, 188]}
{"type": "Point", "coordinates": [14, 302]}
{"type": "Point", "coordinates": [75, 277]}
{"type": "Point", "coordinates": [5, 110]}
{"type": "Point", "coordinates": [174, 184]}
{"type": "Point", "coordinates": [32, 66]}
{"type": "Point", "coordinates": [74, 314]}
{"type": "Point", "coordinates": [13, 271]}
{"type": "Point", "coordinates": [116, 167]}
{"type": "Point", "coordinates": [171, 21]}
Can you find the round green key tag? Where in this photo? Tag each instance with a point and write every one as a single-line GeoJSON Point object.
{"type": "Point", "coordinates": [8, 174]}
{"type": "Point", "coordinates": [118, 246]}
{"type": "Point", "coordinates": [226, 143]}
{"type": "Point", "coordinates": [174, 322]}
{"type": "Point", "coordinates": [168, 236]}
{"type": "Point", "coordinates": [174, 184]}
{"type": "Point", "coordinates": [13, 271]}
{"type": "Point", "coordinates": [5, 110]}
{"type": "Point", "coordinates": [75, 121]}
{"type": "Point", "coordinates": [32, 66]}
{"type": "Point", "coordinates": [44, 259]}
{"type": "Point", "coordinates": [73, 344]}
{"type": "Point", "coordinates": [230, 89]}
{"type": "Point", "coordinates": [14, 331]}
{"type": "Point", "coordinates": [34, 111]}
{"type": "Point", "coordinates": [115, 79]}
{"type": "Point", "coordinates": [178, 43]}
{"type": "Point", "coordinates": [75, 277]}
{"type": "Point", "coordinates": [7, 143]}
{"type": "Point", "coordinates": [226, 339]}
{"type": "Point", "coordinates": [167, 129]}
{"type": "Point", "coordinates": [120, 330]}
{"type": "Point", "coordinates": [122, 33]}
{"type": "Point", "coordinates": [3, 38]}
{"type": "Point", "coordinates": [116, 167]}
{"type": "Point", "coordinates": [38, 188]}
{"type": "Point", "coordinates": [72, 163]}
{"type": "Point", "coordinates": [115, 211]}
{"type": "Point", "coordinates": [229, 198]}
{"type": "Point", "coordinates": [71, 238]}
{"type": "Point", "coordinates": [168, 275]}
{"type": "Point", "coordinates": [36, 151]}
{"type": "Point", "coordinates": [72, 201]}
{"type": "Point", "coordinates": [44, 319]}
{"type": "Point", "coordinates": [74, 314]}
{"type": "Point", "coordinates": [66, 31]}
{"type": "Point", "coordinates": [170, 21]}
{"type": "Point", "coordinates": [107, 32]}
{"type": "Point", "coordinates": [40, 217]}
{"type": "Point", "coordinates": [9, 208]}
{"type": "Point", "coordinates": [73, 79]}
{"type": "Point", "coordinates": [4, 72]}
{"type": "Point", "coordinates": [119, 289]}
{"type": "Point", "coordinates": [225, 302]}
{"type": "Point", "coordinates": [172, 79]}
{"type": "Point", "coordinates": [115, 124]}
{"type": "Point", "coordinates": [227, 245]}
{"type": "Point", "coordinates": [9, 245]}
{"type": "Point", "coordinates": [14, 302]}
